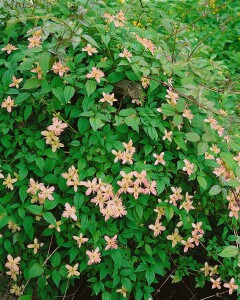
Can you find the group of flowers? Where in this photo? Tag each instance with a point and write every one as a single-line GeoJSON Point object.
{"type": "Point", "coordinates": [53, 132]}
{"type": "Point", "coordinates": [127, 155]}
{"type": "Point", "coordinates": [39, 192]}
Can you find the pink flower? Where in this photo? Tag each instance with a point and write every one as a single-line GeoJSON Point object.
{"type": "Point", "coordinates": [173, 97]}
{"type": "Point", "coordinates": [109, 98]}
{"type": "Point", "coordinates": [72, 271]}
{"type": "Point", "coordinates": [9, 48]}
{"type": "Point", "coordinates": [216, 283]}
{"type": "Point", "coordinates": [90, 50]}
{"type": "Point", "coordinates": [46, 192]}
{"type": "Point", "coordinates": [92, 186]}
{"type": "Point", "coordinates": [167, 135]}
{"type": "Point", "coordinates": [188, 114]}
{"type": "Point", "coordinates": [70, 212]}
{"type": "Point", "coordinates": [159, 158]}
{"type": "Point", "coordinates": [188, 244]}
{"type": "Point", "coordinates": [35, 41]}
{"type": "Point", "coordinates": [38, 70]}
{"type": "Point", "coordinates": [111, 242]}
{"type": "Point", "coordinates": [126, 54]}
{"type": "Point", "coordinates": [118, 155]}
{"type": "Point", "coordinates": [59, 68]}
{"type": "Point", "coordinates": [231, 286]}
{"type": "Point", "coordinates": [80, 240]}
{"type": "Point", "coordinates": [15, 82]}
{"type": "Point", "coordinates": [96, 73]}
{"type": "Point", "coordinates": [8, 104]}
{"type": "Point", "coordinates": [12, 263]}
{"type": "Point", "coordinates": [157, 228]}
{"type": "Point", "coordinates": [188, 167]}
{"type": "Point", "coordinates": [34, 187]}
{"type": "Point", "coordinates": [94, 256]}
{"type": "Point", "coordinates": [237, 158]}
{"type": "Point", "coordinates": [57, 126]}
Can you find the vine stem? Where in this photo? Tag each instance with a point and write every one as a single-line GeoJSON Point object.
{"type": "Point", "coordinates": [64, 296]}
{"type": "Point", "coordinates": [49, 256]}
{"type": "Point", "coordinates": [52, 110]}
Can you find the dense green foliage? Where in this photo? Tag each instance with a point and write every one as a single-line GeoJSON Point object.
{"type": "Point", "coordinates": [120, 147]}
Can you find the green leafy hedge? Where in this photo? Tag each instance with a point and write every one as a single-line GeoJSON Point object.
{"type": "Point", "coordinates": [120, 162]}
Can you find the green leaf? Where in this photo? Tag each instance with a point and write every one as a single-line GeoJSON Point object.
{"type": "Point", "coordinates": [127, 284]}
{"type": "Point", "coordinates": [68, 93]}
{"type": "Point", "coordinates": [202, 182]}
{"type": "Point", "coordinates": [28, 226]}
{"type": "Point", "coordinates": [202, 148]}
{"type": "Point", "coordinates": [90, 87]}
{"type": "Point", "coordinates": [83, 125]}
{"type": "Point", "coordinates": [27, 112]}
{"type": "Point", "coordinates": [127, 112]}
{"type": "Point", "coordinates": [192, 137]}
{"type": "Point", "coordinates": [59, 94]}
{"type": "Point", "coordinates": [49, 217]}
{"type": "Point", "coordinates": [148, 249]}
{"type": "Point", "coordinates": [106, 296]}
{"type": "Point", "coordinates": [149, 275]}
{"type": "Point", "coordinates": [115, 77]}
{"type": "Point", "coordinates": [133, 122]}
{"type": "Point", "coordinates": [23, 192]}
{"type": "Point", "coordinates": [177, 119]}
{"type": "Point", "coordinates": [56, 277]}
{"type": "Point", "coordinates": [168, 110]}
{"type": "Point", "coordinates": [215, 190]}
{"type": "Point", "coordinates": [56, 259]}
{"type": "Point", "coordinates": [40, 162]}
{"type": "Point", "coordinates": [35, 271]}
{"type": "Point", "coordinates": [117, 257]}
{"type": "Point", "coordinates": [96, 123]}
{"type": "Point", "coordinates": [229, 251]}
{"type": "Point", "coordinates": [31, 84]}
{"type": "Point", "coordinates": [44, 60]}
{"type": "Point", "coordinates": [35, 209]}
{"type": "Point", "coordinates": [90, 40]}
{"type": "Point", "coordinates": [180, 142]}
{"type": "Point", "coordinates": [169, 212]}
{"type": "Point", "coordinates": [181, 105]}
{"type": "Point", "coordinates": [22, 97]}
{"type": "Point", "coordinates": [78, 200]}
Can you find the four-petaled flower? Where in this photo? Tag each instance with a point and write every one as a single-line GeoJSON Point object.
{"type": "Point", "coordinates": [15, 82]}
{"type": "Point", "coordinates": [60, 69]}
{"type": "Point", "coordinates": [231, 286]}
{"type": "Point", "coordinates": [126, 54]}
{"type": "Point", "coordinates": [96, 73]}
{"type": "Point", "coordinates": [9, 48]}
{"type": "Point", "coordinates": [35, 246]}
{"type": "Point", "coordinates": [80, 240]}
{"type": "Point", "coordinates": [9, 182]}
{"type": "Point", "coordinates": [90, 50]}
{"type": "Point", "coordinates": [159, 158]}
{"type": "Point", "coordinates": [70, 212]}
{"type": "Point", "coordinates": [8, 104]}
{"type": "Point", "coordinates": [123, 291]}
{"type": "Point", "coordinates": [216, 283]}
{"type": "Point", "coordinates": [109, 98]}
{"type": "Point", "coordinates": [72, 271]}
{"type": "Point", "coordinates": [111, 242]}
{"type": "Point", "coordinates": [94, 256]}
{"type": "Point", "coordinates": [175, 237]}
